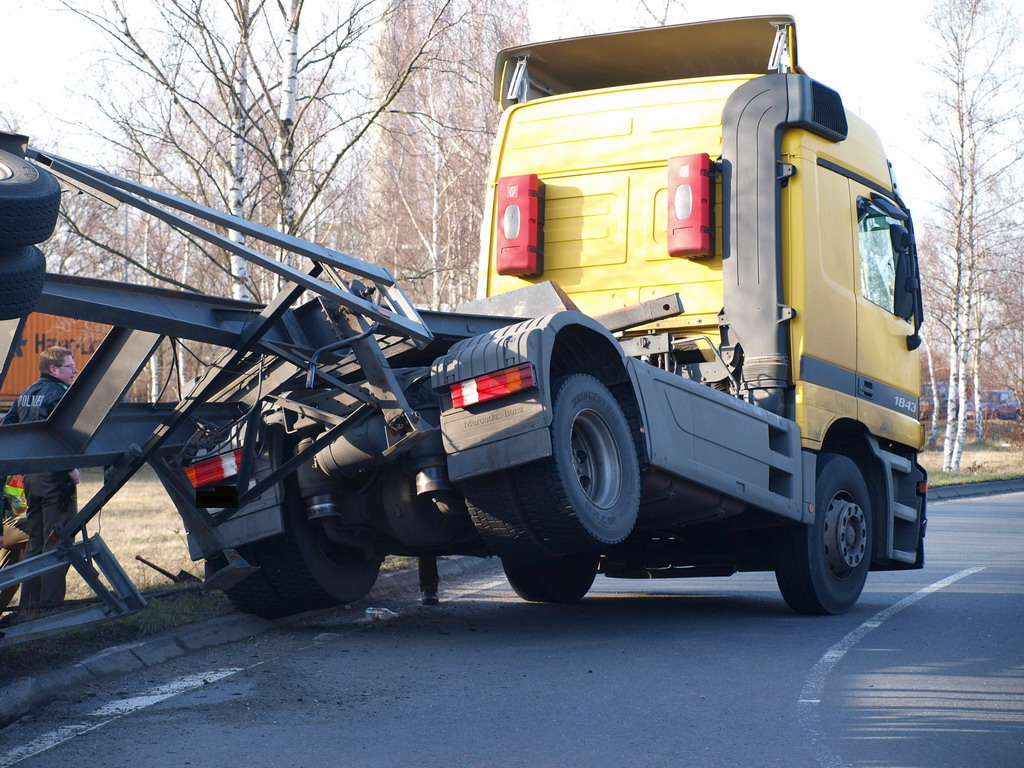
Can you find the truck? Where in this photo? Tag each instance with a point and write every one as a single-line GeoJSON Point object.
{"type": "Point", "coordinates": [694, 353]}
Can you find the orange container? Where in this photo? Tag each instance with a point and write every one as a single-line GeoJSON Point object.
{"type": "Point", "coordinates": [42, 331]}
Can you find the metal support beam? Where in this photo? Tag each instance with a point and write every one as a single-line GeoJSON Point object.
{"type": "Point", "coordinates": [85, 556]}
{"type": "Point", "coordinates": [399, 316]}
{"type": "Point", "coordinates": [213, 381]}
{"type": "Point", "coordinates": [101, 385]}
{"type": "Point", "coordinates": [179, 314]}
{"type": "Point", "coordinates": [10, 330]}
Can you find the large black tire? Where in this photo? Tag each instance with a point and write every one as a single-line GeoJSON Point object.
{"type": "Point", "coordinates": [300, 569]}
{"type": "Point", "coordinates": [821, 568]}
{"type": "Point", "coordinates": [559, 580]}
{"type": "Point", "coordinates": [22, 276]}
{"type": "Point", "coordinates": [585, 496]}
{"type": "Point", "coordinates": [254, 594]}
{"type": "Point", "coordinates": [29, 201]}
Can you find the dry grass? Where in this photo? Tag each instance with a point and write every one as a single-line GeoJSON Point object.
{"type": "Point", "coordinates": [139, 520]}
{"type": "Point", "coordinates": [1000, 457]}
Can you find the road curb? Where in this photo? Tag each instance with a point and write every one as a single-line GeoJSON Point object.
{"type": "Point", "coordinates": [18, 698]}
{"type": "Point", "coordinates": [969, 490]}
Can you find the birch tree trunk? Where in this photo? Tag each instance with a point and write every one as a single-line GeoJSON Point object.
{"type": "Point", "coordinates": [933, 421]}
{"type": "Point", "coordinates": [286, 124]}
{"type": "Point", "coordinates": [979, 399]}
{"type": "Point", "coordinates": [952, 399]}
{"type": "Point", "coordinates": [239, 128]}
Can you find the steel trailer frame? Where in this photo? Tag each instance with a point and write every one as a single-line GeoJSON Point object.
{"type": "Point", "coordinates": [358, 305]}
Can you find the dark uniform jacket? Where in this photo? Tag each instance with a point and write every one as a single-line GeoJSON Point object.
{"type": "Point", "coordinates": [36, 402]}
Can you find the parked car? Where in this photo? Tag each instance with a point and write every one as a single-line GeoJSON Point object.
{"type": "Point", "coordinates": [996, 404]}
{"type": "Point", "coordinates": [1002, 404]}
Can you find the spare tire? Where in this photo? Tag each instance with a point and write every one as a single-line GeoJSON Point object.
{"type": "Point", "coordinates": [22, 275]}
{"type": "Point", "coordinates": [29, 200]}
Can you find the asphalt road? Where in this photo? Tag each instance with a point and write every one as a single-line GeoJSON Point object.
{"type": "Point", "coordinates": [926, 672]}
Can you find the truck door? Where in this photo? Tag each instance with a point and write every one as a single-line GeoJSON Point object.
{"type": "Point", "coordinates": [888, 377]}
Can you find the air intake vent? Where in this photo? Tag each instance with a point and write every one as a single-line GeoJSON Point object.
{"type": "Point", "coordinates": [816, 107]}
{"type": "Point", "coordinates": [827, 110]}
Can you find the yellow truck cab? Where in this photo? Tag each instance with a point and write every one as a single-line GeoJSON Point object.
{"type": "Point", "coordinates": [699, 162]}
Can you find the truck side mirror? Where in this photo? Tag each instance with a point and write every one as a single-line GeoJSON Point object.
{"type": "Point", "coordinates": [900, 238]}
{"type": "Point", "coordinates": [905, 288]}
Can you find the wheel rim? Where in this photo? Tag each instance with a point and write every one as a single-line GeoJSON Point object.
{"type": "Point", "coordinates": [845, 535]}
{"type": "Point", "coordinates": [595, 458]}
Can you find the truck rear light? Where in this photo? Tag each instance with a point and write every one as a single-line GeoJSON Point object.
{"type": "Point", "coordinates": [213, 470]}
{"type": "Point", "coordinates": [493, 385]}
{"type": "Point", "coordinates": [690, 228]}
{"type": "Point", "coordinates": [520, 249]}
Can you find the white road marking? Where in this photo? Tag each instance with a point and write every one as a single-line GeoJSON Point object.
{"type": "Point", "coordinates": [814, 685]}
{"type": "Point", "coordinates": [112, 711]}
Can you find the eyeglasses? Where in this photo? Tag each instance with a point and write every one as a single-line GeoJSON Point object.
{"type": "Point", "coordinates": [68, 365]}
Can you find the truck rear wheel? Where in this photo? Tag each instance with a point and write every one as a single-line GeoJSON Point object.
{"type": "Point", "coordinates": [301, 569]}
{"type": "Point", "coordinates": [821, 568]}
{"type": "Point", "coordinates": [556, 580]}
{"type": "Point", "coordinates": [587, 494]}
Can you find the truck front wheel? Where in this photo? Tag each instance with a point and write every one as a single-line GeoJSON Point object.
{"type": "Point", "coordinates": [821, 568]}
{"type": "Point", "coordinates": [557, 580]}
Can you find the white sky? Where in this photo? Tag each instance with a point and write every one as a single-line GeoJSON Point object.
{"type": "Point", "coordinates": [875, 58]}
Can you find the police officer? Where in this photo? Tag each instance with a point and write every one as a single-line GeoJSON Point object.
{"type": "Point", "coordinates": [51, 497]}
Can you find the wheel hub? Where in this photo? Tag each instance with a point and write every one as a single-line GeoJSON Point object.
{"type": "Point", "coordinates": [594, 458]}
{"type": "Point", "coordinates": [845, 535]}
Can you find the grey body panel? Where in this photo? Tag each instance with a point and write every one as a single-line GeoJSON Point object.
{"type": "Point", "coordinates": [855, 385]}
{"type": "Point", "coordinates": [688, 430]}
{"type": "Point", "coordinates": [717, 441]}
{"type": "Point", "coordinates": [259, 519]}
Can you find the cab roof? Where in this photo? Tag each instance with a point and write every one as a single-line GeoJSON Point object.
{"type": "Point", "coordinates": [701, 49]}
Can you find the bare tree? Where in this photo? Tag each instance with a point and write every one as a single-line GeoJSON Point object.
{"type": "Point", "coordinates": [977, 112]}
{"type": "Point", "coordinates": [428, 167]}
{"type": "Point", "coordinates": [660, 11]}
{"type": "Point", "coordinates": [249, 105]}
{"type": "Point", "coordinates": [253, 106]}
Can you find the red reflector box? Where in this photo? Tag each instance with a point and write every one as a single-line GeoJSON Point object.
{"type": "Point", "coordinates": [213, 470]}
{"type": "Point", "coordinates": [520, 250]}
{"type": "Point", "coordinates": [491, 386]}
{"type": "Point", "coordinates": [689, 206]}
